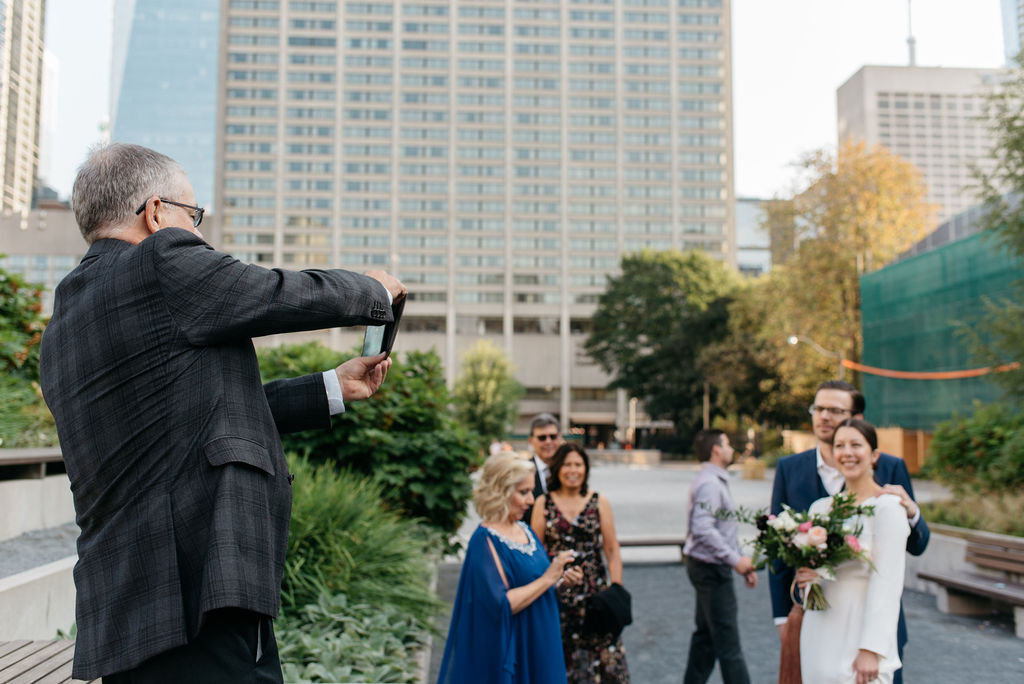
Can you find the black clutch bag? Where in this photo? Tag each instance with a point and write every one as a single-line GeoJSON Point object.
{"type": "Point", "coordinates": [608, 612]}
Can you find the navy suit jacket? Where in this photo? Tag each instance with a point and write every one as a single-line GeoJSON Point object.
{"type": "Point", "coordinates": [170, 439]}
{"type": "Point", "coordinates": [798, 485]}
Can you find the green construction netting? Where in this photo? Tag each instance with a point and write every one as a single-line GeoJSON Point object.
{"type": "Point", "coordinates": [910, 314]}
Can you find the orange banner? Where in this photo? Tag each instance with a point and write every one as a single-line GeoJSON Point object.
{"type": "Point", "coordinates": [928, 375]}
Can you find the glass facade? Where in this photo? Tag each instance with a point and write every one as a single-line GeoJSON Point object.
{"type": "Point", "coordinates": [164, 82]}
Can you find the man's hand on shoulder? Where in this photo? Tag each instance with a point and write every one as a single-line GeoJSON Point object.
{"type": "Point", "coordinates": [393, 285]}
{"type": "Point", "coordinates": [362, 376]}
{"type": "Point", "coordinates": [908, 504]}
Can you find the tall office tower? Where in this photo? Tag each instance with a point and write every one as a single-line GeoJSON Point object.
{"type": "Point", "coordinates": [500, 157]}
{"type": "Point", "coordinates": [926, 115]}
{"type": "Point", "coordinates": [21, 74]}
{"type": "Point", "coordinates": [163, 82]}
{"type": "Point", "coordinates": [1013, 24]}
{"type": "Point", "coordinates": [753, 243]}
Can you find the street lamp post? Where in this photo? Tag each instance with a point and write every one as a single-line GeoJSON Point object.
{"type": "Point", "coordinates": [794, 339]}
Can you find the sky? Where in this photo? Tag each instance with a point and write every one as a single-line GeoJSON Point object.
{"type": "Point", "coordinates": [789, 57]}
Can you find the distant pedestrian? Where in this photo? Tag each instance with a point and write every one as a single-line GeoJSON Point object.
{"type": "Point", "coordinates": [712, 553]}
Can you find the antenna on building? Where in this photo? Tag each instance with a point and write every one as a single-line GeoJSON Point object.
{"type": "Point", "coordinates": [911, 43]}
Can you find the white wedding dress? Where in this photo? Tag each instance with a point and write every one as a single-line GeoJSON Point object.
{"type": "Point", "coordinates": [864, 604]}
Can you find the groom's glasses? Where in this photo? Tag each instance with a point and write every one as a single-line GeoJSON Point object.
{"type": "Point", "coordinates": [833, 411]}
{"type": "Point", "coordinates": [544, 438]}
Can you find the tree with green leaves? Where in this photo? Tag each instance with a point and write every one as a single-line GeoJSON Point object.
{"type": "Point", "coordinates": [653, 321]}
{"type": "Point", "coordinates": [404, 437]}
{"type": "Point", "coordinates": [24, 419]}
{"type": "Point", "coordinates": [486, 392]}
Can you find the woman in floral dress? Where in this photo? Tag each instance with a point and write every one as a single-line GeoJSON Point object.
{"type": "Point", "coordinates": [570, 517]}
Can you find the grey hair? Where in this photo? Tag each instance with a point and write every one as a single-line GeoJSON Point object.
{"type": "Point", "coordinates": [118, 178]}
{"type": "Point", "coordinates": [543, 420]}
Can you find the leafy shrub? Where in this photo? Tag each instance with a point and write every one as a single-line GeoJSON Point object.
{"type": "Point", "coordinates": [21, 325]}
{"type": "Point", "coordinates": [990, 511]}
{"type": "Point", "coordinates": [334, 640]}
{"type": "Point", "coordinates": [25, 421]}
{"type": "Point", "coordinates": [983, 451]}
{"type": "Point", "coordinates": [404, 436]}
{"type": "Point", "coordinates": [343, 540]}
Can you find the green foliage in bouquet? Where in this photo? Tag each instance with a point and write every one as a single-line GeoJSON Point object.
{"type": "Point", "coordinates": [819, 541]}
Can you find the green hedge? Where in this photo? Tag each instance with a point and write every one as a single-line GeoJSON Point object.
{"type": "Point", "coordinates": [983, 451]}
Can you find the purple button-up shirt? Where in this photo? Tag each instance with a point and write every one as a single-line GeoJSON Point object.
{"type": "Point", "coordinates": [711, 537]}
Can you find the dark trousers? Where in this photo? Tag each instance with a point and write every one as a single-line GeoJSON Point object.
{"type": "Point", "coordinates": [233, 645]}
{"type": "Point", "coordinates": [717, 635]}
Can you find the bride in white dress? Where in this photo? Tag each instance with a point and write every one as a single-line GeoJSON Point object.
{"type": "Point", "coordinates": [854, 640]}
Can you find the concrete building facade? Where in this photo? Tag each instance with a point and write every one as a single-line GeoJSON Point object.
{"type": "Point", "coordinates": [927, 116]}
{"type": "Point", "coordinates": [753, 243]}
{"type": "Point", "coordinates": [21, 75]}
{"type": "Point", "coordinates": [43, 245]}
{"type": "Point", "coordinates": [499, 157]}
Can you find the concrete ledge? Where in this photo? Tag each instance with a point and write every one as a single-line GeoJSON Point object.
{"type": "Point", "coordinates": [647, 457]}
{"type": "Point", "coordinates": [38, 602]}
{"type": "Point", "coordinates": [27, 505]}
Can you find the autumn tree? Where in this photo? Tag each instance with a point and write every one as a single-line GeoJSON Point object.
{"type": "Point", "coordinates": [487, 393]}
{"type": "Point", "coordinates": [860, 209]}
{"type": "Point", "coordinates": [651, 324]}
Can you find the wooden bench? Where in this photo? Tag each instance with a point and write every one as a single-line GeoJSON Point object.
{"type": "Point", "coordinates": [656, 541]}
{"type": "Point", "coordinates": [37, 662]}
{"type": "Point", "coordinates": [975, 593]}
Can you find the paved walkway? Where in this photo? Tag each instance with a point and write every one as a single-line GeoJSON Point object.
{"type": "Point", "coordinates": [943, 649]}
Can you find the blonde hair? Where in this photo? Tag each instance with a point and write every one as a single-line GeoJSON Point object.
{"type": "Point", "coordinates": [498, 479]}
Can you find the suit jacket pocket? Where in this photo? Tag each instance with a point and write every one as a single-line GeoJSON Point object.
{"type": "Point", "coordinates": [224, 450]}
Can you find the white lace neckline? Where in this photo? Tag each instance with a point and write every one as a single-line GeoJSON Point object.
{"type": "Point", "coordinates": [527, 548]}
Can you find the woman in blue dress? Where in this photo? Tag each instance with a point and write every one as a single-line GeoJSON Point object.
{"type": "Point", "coordinates": [505, 627]}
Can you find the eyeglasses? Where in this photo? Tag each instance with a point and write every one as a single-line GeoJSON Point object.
{"type": "Point", "coordinates": [197, 216]}
{"type": "Point", "coordinates": [833, 411]}
{"type": "Point", "coordinates": [544, 438]}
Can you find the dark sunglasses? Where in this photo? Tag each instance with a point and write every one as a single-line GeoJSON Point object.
{"type": "Point", "coordinates": [544, 438]}
{"type": "Point", "coordinates": [197, 216]}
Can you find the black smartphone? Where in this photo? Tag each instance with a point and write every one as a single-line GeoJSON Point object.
{"type": "Point", "coordinates": [381, 338]}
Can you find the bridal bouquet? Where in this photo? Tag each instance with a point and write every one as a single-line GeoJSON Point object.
{"type": "Point", "coordinates": [821, 541]}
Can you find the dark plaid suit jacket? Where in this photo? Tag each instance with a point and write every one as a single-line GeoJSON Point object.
{"type": "Point", "coordinates": [171, 441]}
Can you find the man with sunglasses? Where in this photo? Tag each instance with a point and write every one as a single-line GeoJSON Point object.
{"type": "Point", "coordinates": [544, 439]}
{"type": "Point", "coordinates": [170, 439]}
{"type": "Point", "coordinates": [801, 479]}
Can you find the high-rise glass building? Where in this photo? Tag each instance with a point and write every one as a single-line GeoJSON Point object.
{"type": "Point", "coordinates": [498, 156]}
{"type": "Point", "coordinates": [1013, 23]}
{"type": "Point", "coordinates": [21, 74]}
{"type": "Point", "coordinates": [163, 85]}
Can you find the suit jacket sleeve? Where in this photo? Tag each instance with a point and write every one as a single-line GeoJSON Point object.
{"type": "Point", "coordinates": [781, 577]}
{"type": "Point", "coordinates": [298, 403]}
{"type": "Point", "coordinates": [917, 542]}
{"type": "Point", "coordinates": [214, 298]}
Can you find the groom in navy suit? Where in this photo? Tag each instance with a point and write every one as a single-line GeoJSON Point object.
{"type": "Point", "coordinates": [802, 478]}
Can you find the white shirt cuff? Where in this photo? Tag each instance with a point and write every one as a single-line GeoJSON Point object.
{"type": "Point", "coordinates": [780, 621]}
{"type": "Point", "coordinates": [917, 517]}
{"type": "Point", "coordinates": [335, 402]}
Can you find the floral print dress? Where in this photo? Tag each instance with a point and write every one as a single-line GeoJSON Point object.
{"type": "Point", "coordinates": [587, 658]}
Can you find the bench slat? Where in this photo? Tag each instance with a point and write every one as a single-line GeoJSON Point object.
{"type": "Point", "coordinates": [979, 585]}
{"type": "Point", "coordinates": [1017, 545]}
{"type": "Point", "coordinates": [48, 656]}
{"type": "Point", "coordinates": [8, 647]}
{"type": "Point", "coordinates": [994, 563]}
{"type": "Point", "coordinates": [60, 670]}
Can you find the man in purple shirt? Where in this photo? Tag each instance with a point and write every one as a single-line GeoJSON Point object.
{"type": "Point", "coordinates": [712, 553]}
